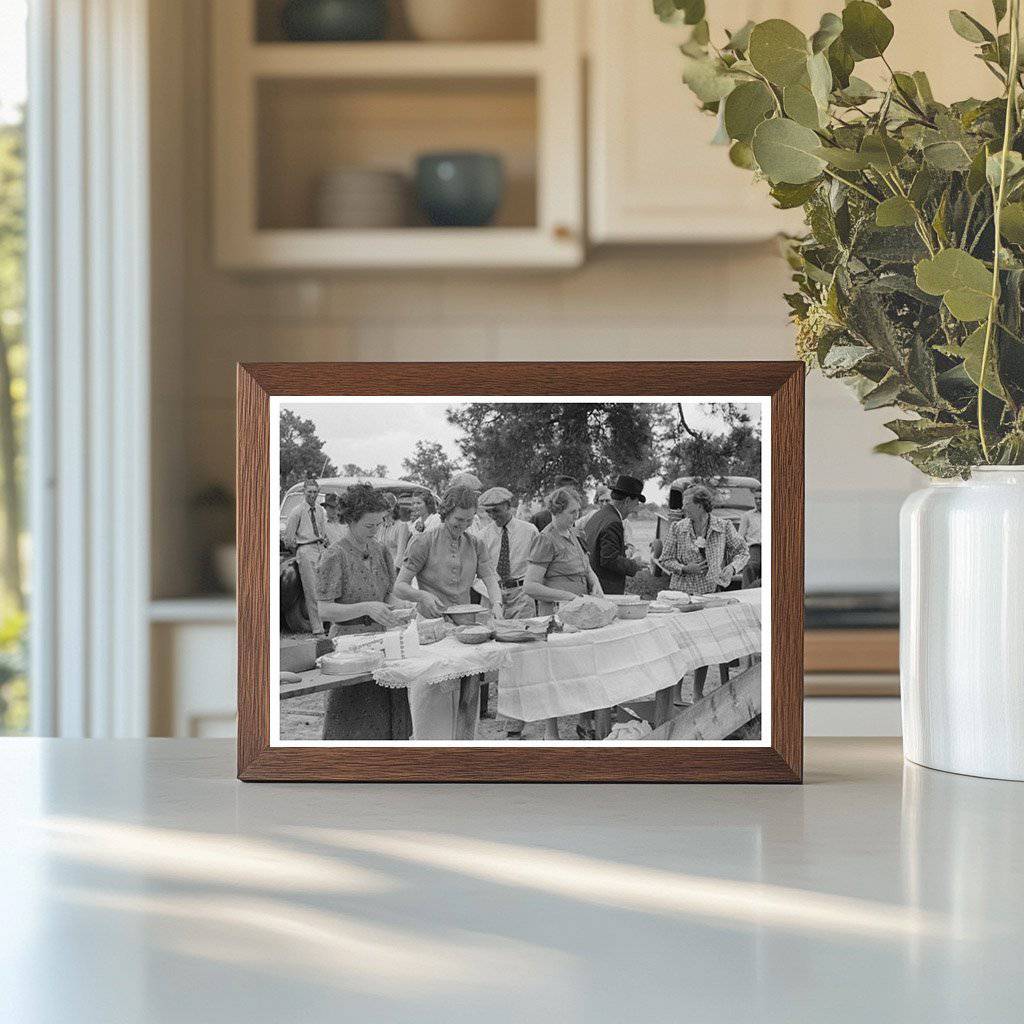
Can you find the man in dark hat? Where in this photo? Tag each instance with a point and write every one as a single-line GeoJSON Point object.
{"type": "Point", "coordinates": [606, 537]}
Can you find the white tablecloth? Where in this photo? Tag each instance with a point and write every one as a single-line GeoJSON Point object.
{"type": "Point", "coordinates": [576, 672]}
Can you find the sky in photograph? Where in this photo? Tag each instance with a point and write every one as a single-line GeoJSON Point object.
{"type": "Point", "coordinates": [368, 433]}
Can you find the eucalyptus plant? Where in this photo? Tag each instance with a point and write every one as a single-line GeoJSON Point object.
{"type": "Point", "coordinates": [910, 277]}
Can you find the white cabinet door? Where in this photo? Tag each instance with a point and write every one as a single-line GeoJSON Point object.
{"type": "Point", "coordinates": [654, 177]}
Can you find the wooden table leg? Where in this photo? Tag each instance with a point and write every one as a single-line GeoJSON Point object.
{"type": "Point", "coordinates": [602, 722]}
{"type": "Point", "coordinates": [468, 712]}
{"type": "Point", "coordinates": [663, 704]}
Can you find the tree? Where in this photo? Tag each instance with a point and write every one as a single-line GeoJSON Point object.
{"type": "Point", "coordinates": [707, 454]}
{"type": "Point", "coordinates": [302, 452]}
{"type": "Point", "coordinates": [524, 447]}
{"type": "Point", "coordinates": [430, 466]}
{"type": "Point", "coordinates": [13, 406]}
{"type": "Point", "coordinates": [351, 469]}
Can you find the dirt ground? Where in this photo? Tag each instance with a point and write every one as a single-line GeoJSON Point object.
{"type": "Point", "coordinates": [303, 717]}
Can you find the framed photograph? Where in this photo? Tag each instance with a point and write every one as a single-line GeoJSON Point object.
{"type": "Point", "coordinates": [517, 572]}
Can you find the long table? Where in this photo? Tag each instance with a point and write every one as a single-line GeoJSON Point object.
{"type": "Point", "coordinates": [576, 672]}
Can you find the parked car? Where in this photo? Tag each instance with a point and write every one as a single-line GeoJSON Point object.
{"type": "Point", "coordinates": [734, 495]}
{"type": "Point", "coordinates": [293, 615]}
{"type": "Point", "coordinates": [340, 484]}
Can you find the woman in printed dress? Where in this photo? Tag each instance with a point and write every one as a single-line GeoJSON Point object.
{"type": "Point", "coordinates": [704, 554]}
{"type": "Point", "coordinates": [559, 569]}
{"type": "Point", "coordinates": [356, 583]}
{"type": "Point", "coordinates": [445, 562]}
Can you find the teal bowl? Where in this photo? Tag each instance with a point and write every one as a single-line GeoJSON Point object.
{"type": "Point", "coordinates": [334, 21]}
{"type": "Point", "coordinates": [462, 190]}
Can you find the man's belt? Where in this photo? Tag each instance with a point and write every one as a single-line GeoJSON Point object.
{"type": "Point", "coordinates": [510, 584]}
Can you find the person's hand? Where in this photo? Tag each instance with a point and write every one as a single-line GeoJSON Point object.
{"type": "Point", "coordinates": [430, 605]}
{"type": "Point", "coordinates": [727, 576]}
{"type": "Point", "coordinates": [380, 612]}
{"type": "Point", "coordinates": [694, 567]}
{"type": "Point", "coordinates": [497, 611]}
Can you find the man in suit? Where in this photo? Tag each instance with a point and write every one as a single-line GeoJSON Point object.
{"type": "Point", "coordinates": [606, 537]}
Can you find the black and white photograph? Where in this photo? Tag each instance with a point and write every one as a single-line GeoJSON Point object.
{"type": "Point", "coordinates": [532, 571]}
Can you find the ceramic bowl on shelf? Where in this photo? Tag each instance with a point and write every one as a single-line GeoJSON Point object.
{"type": "Point", "coordinates": [470, 20]}
{"type": "Point", "coordinates": [460, 189]}
{"type": "Point", "coordinates": [362, 197]}
{"type": "Point", "coordinates": [334, 21]}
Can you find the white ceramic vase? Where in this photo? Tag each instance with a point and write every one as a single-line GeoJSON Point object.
{"type": "Point", "coordinates": [962, 624]}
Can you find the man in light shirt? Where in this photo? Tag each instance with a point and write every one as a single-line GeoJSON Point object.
{"type": "Point", "coordinates": [305, 533]}
{"type": "Point", "coordinates": [750, 530]}
{"type": "Point", "coordinates": [508, 541]}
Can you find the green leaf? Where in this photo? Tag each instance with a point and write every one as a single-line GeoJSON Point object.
{"type": "Point", "coordinates": [999, 9]}
{"type": "Point", "coordinates": [963, 281]}
{"type": "Point", "coordinates": [895, 447]}
{"type": "Point", "coordinates": [866, 29]}
{"type": "Point", "coordinates": [745, 108]}
{"type": "Point", "coordinates": [786, 151]}
{"type": "Point", "coordinates": [883, 152]}
{"type": "Point", "coordinates": [993, 166]}
{"type": "Point", "coordinates": [895, 212]}
{"type": "Point", "coordinates": [844, 159]}
{"type": "Point", "coordinates": [922, 431]}
{"type": "Point", "coordinates": [690, 12]}
{"type": "Point", "coordinates": [788, 196]}
{"type": "Point", "coordinates": [801, 106]}
{"type": "Point", "coordinates": [741, 155]}
{"type": "Point", "coordinates": [969, 28]}
{"type": "Point", "coordinates": [840, 62]}
{"type": "Point", "coordinates": [829, 29]}
{"type": "Point", "coordinates": [922, 185]}
{"type": "Point", "coordinates": [819, 74]}
{"type": "Point", "coordinates": [701, 34]}
{"type": "Point", "coordinates": [976, 173]}
{"type": "Point", "coordinates": [707, 78]}
{"type": "Point", "coordinates": [1011, 226]}
{"type": "Point", "coordinates": [924, 88]}
{"type": "Point", "coordinates": [779, 51]}
{"type": "Point", "coordinates": [857, 91]}
{"type": "Point", "coordinates": [971, 352]}
{"type": "Point", "coordinates": [947, 156]}
{"type": "Point", "coordinates": [739, 41]}
{"type": "Point", "coordinates": [884, 394]}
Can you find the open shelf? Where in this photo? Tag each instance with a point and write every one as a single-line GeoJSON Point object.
{"type": "Point", "coordinates": [354, 60]}
{"type": "Point", "coordinates": [309, 127]}
{"type": "Point", "coordinates": [287, 114]}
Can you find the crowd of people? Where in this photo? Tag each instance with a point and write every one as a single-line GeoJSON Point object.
{"type": "Point", "coordinates": [364, 554]}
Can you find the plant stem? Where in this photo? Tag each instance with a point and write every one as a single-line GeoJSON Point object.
{"type": "Point", "coordinates": [853, 185]}
{"type": "Point", "coordinates": [1011, 108]}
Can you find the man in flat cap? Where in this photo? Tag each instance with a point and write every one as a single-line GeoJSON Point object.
{"type": "Point", "coordinates": [606, 535]}
{"type": "Point", "coordinates": [508, 540]}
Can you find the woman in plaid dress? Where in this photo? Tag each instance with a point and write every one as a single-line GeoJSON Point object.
{"type": "Point", "coordinates": [704, 554]}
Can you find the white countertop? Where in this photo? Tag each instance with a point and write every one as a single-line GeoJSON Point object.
{"type": "Point", "coordinates": [140, 882]}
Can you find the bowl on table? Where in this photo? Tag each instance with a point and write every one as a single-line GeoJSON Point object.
{"type": "Point", "coordinates": [460, 189]}
{"type": "Point", "coordinates": [463, 614]}
{"type": "Point", "coordinates": [472, 634]}
{"type": "Point", "coordinates": [637, 610]}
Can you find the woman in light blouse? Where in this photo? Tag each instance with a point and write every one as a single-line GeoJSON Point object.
{"type": "Point", "coordinates": [559, 569]}
{"type": "Point", "coordinates": [445, 562]}
{"type": "Point", "coordinates": [704, 554]}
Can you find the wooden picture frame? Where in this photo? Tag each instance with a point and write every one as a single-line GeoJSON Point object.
{"type": "Point", "coordinates": [780, 759]}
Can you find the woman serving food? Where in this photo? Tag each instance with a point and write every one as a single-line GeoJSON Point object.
{"type": "Point", "coordinates": [356, 583]}
{"type": "Point", "coordinates": [444, 563]}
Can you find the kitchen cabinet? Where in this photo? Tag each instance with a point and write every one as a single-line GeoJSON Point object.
{"type": "Point", "coordinates": [653, 175]}
{"type": "Point", "coordinates": [287, 114]}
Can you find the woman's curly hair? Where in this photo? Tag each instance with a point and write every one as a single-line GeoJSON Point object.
{"type": "Point", "coordinates": [561, 498]}
{"type": "Point", "coordinates": [702, 496]}
{"type": "Point", "coordinates": [456, 497]}
{"type": "Point", "coordinates": [361, 499]}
